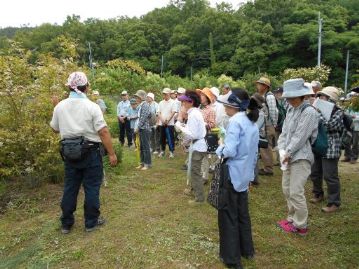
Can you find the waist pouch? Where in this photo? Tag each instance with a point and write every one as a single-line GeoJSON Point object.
{"type": "Point", "coordinates": [76, 149]}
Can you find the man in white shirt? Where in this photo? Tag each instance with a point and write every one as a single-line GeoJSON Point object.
{"type": "Point", "coordinates": [226, 93]}
{"type": "Point", "coordinates": [82, 127]}
{"type": "Point", "coordinates": [166, 119]}
{"type": "Point", "coordinates": [124, 122]}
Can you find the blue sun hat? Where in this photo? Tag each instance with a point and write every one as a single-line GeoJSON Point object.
{"type": "Point", "coordinates": [295, 88]}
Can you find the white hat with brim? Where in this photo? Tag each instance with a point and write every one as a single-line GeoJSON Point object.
{"type": "Point", "coordinates": [310, 88]}
{"type": "Point", "coordinates": [166, 91]}
{"type": "Point", "coordinates": [151, 95]}
{"type": "Point", "coordinates": [181, 90]}
{"type": "Point", "coordinates": [294, 88]}
{"type": "Point", "coordinates": [215, 91]}
{"type": "Point", "coordinates": [124, 93]}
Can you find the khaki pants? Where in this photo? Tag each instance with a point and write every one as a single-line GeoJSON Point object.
{"type": "Point", "coordinates": [196, 175]}
{"type": "Point", "coordinates": [267, 154]}
{"type": "Point", "coordinates": [293, 182]}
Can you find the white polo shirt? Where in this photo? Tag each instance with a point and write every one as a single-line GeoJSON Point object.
{"type": "Point", "coordinates": [78, 116]}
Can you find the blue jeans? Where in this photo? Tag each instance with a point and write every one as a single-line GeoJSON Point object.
{"type": "Point", "coordinates": [89, 173]}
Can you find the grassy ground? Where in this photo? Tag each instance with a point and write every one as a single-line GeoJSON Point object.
{"type": "Point", "coordinates": [150, 225]}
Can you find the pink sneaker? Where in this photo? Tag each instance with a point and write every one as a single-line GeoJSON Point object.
{"type": "Point", "coordinates": [288, 227]}
{"type": "Point", "coordinates": [282, 222]}
{"type": "Point", "coordinates": [302, 231]}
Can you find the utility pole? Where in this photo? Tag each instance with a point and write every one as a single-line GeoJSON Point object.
{"type": "Point", "coordinates": [91, 61]}
{"type": "Point", "coordinates": [162, 60]}
{"type": "Point", "coordinates": [320, 24]}
{"type": "Point", "coordinates": [191, 72]}
{"type": "Point", "coordinates": [346, 74]}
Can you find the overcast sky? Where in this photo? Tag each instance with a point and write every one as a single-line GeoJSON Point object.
{"type": "Point", "coordinates": [36, 12]}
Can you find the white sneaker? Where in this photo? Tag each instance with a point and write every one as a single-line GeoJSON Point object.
{"type": "Point", "coordinates": [172, 155]}
{"type": "Point", "coordinates": [161, 154]}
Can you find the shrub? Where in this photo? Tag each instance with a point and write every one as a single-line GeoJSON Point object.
{"type": "Point", "coordinates": [320, 73]}
{"type": "Point", "coordinates": [29, 148]}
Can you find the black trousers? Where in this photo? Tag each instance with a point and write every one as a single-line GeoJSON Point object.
{"type": "Point", "coordinates": [125, 128]}
{"type": "Point", "coordinates": [235, 232]}
{"type": "Point", "coordinates": [327, 169]}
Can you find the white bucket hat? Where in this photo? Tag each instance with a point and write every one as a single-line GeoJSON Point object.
{"type": "Point", "coordinates": [151, 95]}
{"type": "Point", "coordinates": [294, 88]}
{"type": "Point", "coordinates": [310, 88]}
{"type": "Point", "coordinates": [215, 91]}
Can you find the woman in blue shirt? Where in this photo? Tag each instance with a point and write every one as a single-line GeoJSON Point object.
{"type": "Point", "coordinates": [239, 151]}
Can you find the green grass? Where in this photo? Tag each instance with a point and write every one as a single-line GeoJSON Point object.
{"type": "Point", "coordinates": [150, 225]}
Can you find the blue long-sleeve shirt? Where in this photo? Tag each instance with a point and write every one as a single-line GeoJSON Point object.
{"type": "Point", "coordinates": [241, 148]}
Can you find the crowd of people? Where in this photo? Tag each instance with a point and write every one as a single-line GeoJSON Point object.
{"type": "Point", "coordinates": [299, 126]}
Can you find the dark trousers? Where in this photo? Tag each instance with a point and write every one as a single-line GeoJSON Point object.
{"type": "Point", "coordinates": [125, 128]}
{"type": "Point", "coordinates": [352, 151]}
{"type": "Point", "coordinates": [235, 232]}
{"type": "Point", "coordinates": [327, 169]}
{"type": "Point", "coordinates": [145, 151]}
{"type": "Point", "coordinates": [89, 173]}
{"type": "Point", "coordinates": [167, 137]}
{"type": "Point", "coordinates": [155, 138]}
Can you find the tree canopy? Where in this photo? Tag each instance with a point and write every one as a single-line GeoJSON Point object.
{"type": "Point", "coordinates": [260, 36]}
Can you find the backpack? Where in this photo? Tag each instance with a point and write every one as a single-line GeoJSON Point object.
{"type": "Point", "coordinates": [347, 134]}
{"type": "Point", "coordinates": [320, 145]}
{"type": "Point", "coordinates": [282, 112]}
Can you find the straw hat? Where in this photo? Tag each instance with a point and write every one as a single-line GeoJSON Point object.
{"type": "Point", "coordinates": [207, 92]}
{"type": "Point", "coordinates": [331, 92]}
{"type": "Point", "coordinates": [264, 81]}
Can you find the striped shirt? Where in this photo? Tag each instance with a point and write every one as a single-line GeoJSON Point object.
{"type": "Point", "coordinates": [272, 110]}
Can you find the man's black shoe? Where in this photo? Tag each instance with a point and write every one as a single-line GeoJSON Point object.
{"type": "Point", "coordinates": [100, 222]}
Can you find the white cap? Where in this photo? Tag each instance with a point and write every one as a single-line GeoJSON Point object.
{"type": "Point", "coordinates": [95, 92]}
{"type": "Point", "coordinates": [181, 90]}
{"type": "Point", "coordinates": [166, 91]}
{"type": "Point", "coordinates": [124, 93]}
{"type": "Point", "coordinates": [151, 95]}
{"type": "Point", "coordinates": [215, 91]}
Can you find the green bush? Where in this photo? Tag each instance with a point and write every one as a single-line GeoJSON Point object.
{"type": "Point", "coordinates": [29, 148]}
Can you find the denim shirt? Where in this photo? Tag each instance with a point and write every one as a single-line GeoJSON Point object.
{"type": "Point", "coordinates": [241, 148]}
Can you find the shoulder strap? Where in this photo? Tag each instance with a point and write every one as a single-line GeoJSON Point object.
{"type": "Point", "coordinates": [305, 107]}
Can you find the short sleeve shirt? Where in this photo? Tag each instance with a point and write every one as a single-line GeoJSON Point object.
{"type": "Point", "coordinates": [165, 110]}
{"type": "Point", "coordinates": [78, 116]}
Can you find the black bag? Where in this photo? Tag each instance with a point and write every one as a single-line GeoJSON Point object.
{"type": "Point", "coordinates": [217, 195]}
{"type": "Point", "coordinates": [348, 122]}
{"type": "Point", "coordinates": [74, 149]}
{"type": "Point", "coordinates": [263, 143]}
{"type": "Point", "coordinates": [212, 142]}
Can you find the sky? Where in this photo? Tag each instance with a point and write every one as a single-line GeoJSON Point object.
{"type": "Point", "coordinates": [35, 12]}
